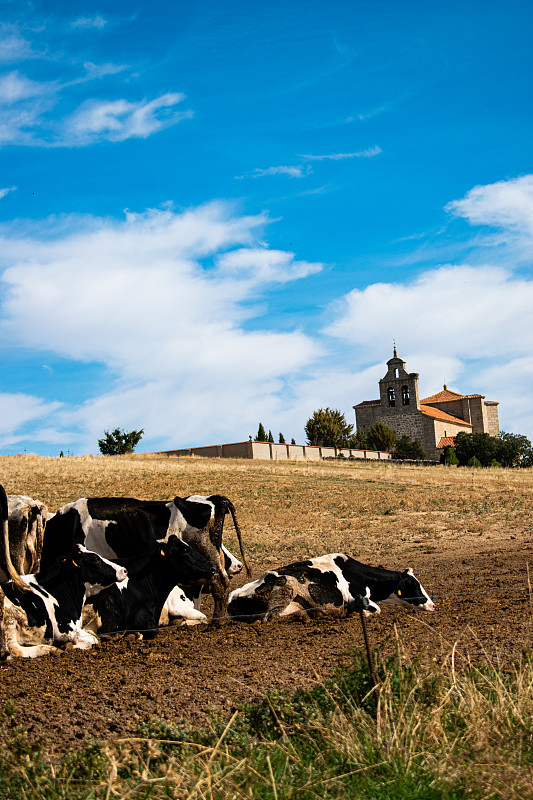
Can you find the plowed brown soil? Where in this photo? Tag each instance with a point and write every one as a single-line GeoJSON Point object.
{"type": "Point", "coordinates": [468, 540]}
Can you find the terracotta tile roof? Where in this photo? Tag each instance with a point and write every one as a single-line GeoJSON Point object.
{"type": "Point", "coordinates": [447, 396]}
{"type": "Point", "coordinates": [442, 397]}
{"type": "Point", "coordinates": [436, 413]}
{"type": "Point", "coordinates": [368, 403]}
{"type": "Point", "coordinates": [446, 441]}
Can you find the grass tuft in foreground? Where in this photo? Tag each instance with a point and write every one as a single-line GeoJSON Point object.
{"type": "Point", "coordinates": [431, 735]}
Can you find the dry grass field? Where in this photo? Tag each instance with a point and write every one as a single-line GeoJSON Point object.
{"type": "Point", "coordinates": [468, 535]}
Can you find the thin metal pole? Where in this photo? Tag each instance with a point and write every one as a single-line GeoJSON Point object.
{"type": "Point", "coordinates": [373, 676]}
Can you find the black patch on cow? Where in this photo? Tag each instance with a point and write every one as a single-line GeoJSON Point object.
{"type": "Point", "coordinates": [4, 507]}
{"type": "Point", "coordinates": [137, 607]}
{"type": "Point", "coordinates": [321, 585]}
{"type": "Point", "coordinates": [303, 571]}
{"type": "Point", "coordinates": [196, 515]}
{"type": "Point", "coordinates": [250, 607]}
{"type": "Point", "coordinates": [61, 532]}
{"type": "Point", "coordinates": [409, 587]}
{"type": "Point", "coordinates": [325, 591]}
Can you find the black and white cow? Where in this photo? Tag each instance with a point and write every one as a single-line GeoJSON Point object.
{"type": "Point", "coordinates": [136, 604]}
{"type": "Point", "coordinates": [23, 521]}
{"type": "Point", "coordinates": [333, 585]}
{"type": "Point", "coordinates": [50, 608]}
{"type": "Point", "coordinates": [185, 603]}
{"type": "Point", "coordinates": [120, 527]}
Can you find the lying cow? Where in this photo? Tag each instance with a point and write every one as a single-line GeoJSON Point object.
{"type": "Point", "coordinates": [118, 528]}
{"type": "Point", "coordinates": [23, 522]}
{"type": "Point", "coordinates": [136, 605]}
{"type": "Point", "coordinates": [333, 585]}
{"type": "Point", "coordinates": [50, 608]}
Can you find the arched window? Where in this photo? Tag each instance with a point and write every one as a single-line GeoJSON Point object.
{"type": "Point", "coordinates": [405, 395]}
{"type": "Point", "coordinates": [392, 401]}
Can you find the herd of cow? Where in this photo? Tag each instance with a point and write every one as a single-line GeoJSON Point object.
{"type": "Point", "coordinates": [103, 565]}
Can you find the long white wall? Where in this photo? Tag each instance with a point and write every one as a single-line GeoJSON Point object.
{"type": "Point", "coordinates": [271, 451]}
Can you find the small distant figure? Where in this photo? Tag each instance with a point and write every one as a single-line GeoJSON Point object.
{"type": "Point", "coordinates": [61, 455]}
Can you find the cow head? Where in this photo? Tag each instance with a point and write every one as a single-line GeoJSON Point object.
{"type": "Point", "coordinates": [187, 566]}
{"type": "Point", "coordinates": [97, 572]}
{"type": "Point", "coordinates": [410, 593]}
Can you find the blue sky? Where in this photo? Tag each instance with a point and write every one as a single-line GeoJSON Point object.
{"type": "Point", "coordinates": [218, 213]}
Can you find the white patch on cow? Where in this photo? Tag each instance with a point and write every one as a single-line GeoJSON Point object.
{"type": "Point", "coordinates": [179, 605]}
{"type": "Point", "coordinates": [175, 526]}
{"type": "Point", "coordinates": [235, 566]}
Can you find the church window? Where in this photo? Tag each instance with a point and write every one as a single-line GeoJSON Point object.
{"type": "Point", "coordinates": [405, 395]}
{"type": "Point", "coordinates": [392, 401]}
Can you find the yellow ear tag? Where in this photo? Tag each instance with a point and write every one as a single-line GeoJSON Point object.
{"type": "Point", "coordinates": [74, 563]}
{"type": "Point", "coordinates": [399, 592]}
{"type": "Point", "coordinates": [162, 552]}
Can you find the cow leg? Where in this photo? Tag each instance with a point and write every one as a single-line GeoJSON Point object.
{"type": "Point", "coordinates": [220, 592]}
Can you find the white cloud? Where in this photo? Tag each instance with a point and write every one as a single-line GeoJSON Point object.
{"type": "Point", "coordinates": [13, 46]}
{"type": "Point", "coordinates": [15, 87]}
{"type": "Point", "coordinates": [507, 204]}
{"type": "Point", "coordinates": [468, 326]}
{"type": "Point", "coordinates": [292, 172]}
{"type": "Point", "coordinates": [160, 299]}
{"type": "Point", "coordinates": [85, 23]}
{"type": "Point", "coordinates": [20, 410]}
{"type": "Point", "coordinates": [118, 120]}
{"type": "Point", "coordinates": [3, 192]}
{"type": "Point", "coordinates": [368, 153]}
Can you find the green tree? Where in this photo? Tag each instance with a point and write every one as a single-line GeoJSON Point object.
{"type": "Point", "coordinates": [293, 441]}
{"type": "Point", "coordinates": [381, 437]}
{"type": "Point", "coordinates": [449, 457]}
{"type": "Point", "coordinates": [407, 448]}
{"type": "Point", "coordinates": [473, 462]}
{"type": "Point", "coordinates": [261, 435]}
{"type": "Point", "coordinates": [512, 449]}
{"type": "Point", "coordinates": [358, 441]}
{"type": "Point", "coordinates": [328, 428]}
{"type": "Point", "coordinates": [481, 446]}
{"type": "Point", "coordinates": [281, 439]}
{"type": "Point", "coordinates": [270, 437]}
{"type": "Point", "coordinates": [118, 442]}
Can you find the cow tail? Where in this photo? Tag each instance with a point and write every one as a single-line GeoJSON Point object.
{"type": "Point", "coordinates": [11, 571]}
{"type": "Point", "coordinates": [239, 537]}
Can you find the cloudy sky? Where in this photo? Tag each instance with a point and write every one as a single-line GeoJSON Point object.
{"type": "Point", "coordinates": [221, 212]}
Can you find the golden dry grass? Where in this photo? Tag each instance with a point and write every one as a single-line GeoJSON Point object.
{"type": "Point", "coordinates": [288, 509]}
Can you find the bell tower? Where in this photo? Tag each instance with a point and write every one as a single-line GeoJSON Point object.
{"type": "Point", "coordinates": [398, 390]}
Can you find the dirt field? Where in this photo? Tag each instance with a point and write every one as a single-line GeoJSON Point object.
{"type": "Point", "coordinates": [467, 535]}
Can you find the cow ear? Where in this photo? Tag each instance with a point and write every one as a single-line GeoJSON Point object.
{"type": "Point", "coordinates": [406, 572]}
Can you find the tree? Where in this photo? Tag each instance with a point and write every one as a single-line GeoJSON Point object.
{"type": "Point", "coordinates": [119, 442]}
{"type": "Point", "coordinates": [281, 439]}
{"type": "Point", "coordinates": [407, 448]}
{"type": "Point", "coordinates": [449, 457]}
{"type": "Point", "coordinates": [358, 441]}
{"type": "Point", "coordinates": [328, 428]}
{"type": "Point", "coordinates": [270, 437]}
{"type": "Point", "coordinates": [480, 446]}
{"type": "Point", "coordinates": [293, 441]}
{"type": "Point", "coordinates": [380, 437]}
{"type": "Point", "coordinates": [514, 449]}
{"type": "Point", "coordinates": [261, 435]}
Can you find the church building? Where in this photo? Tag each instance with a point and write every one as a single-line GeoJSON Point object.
{"type": "Point", "coordinates": [434, 420]}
